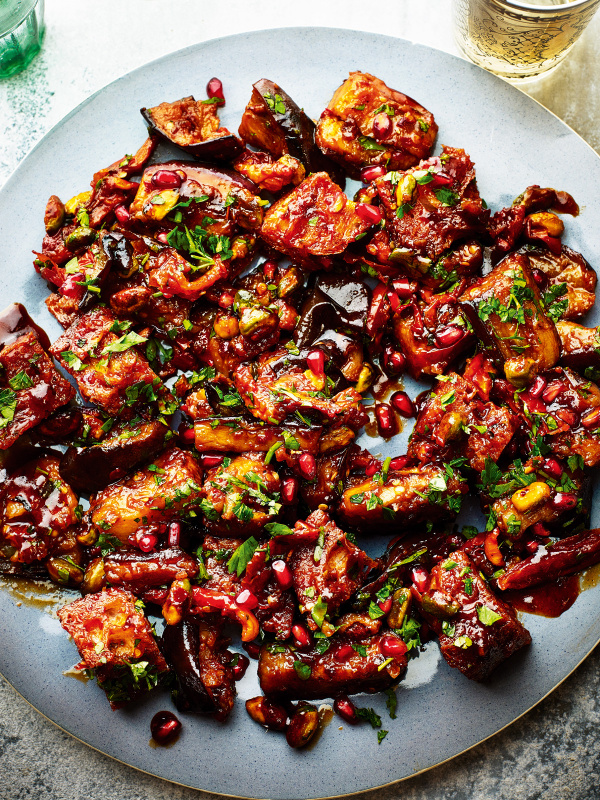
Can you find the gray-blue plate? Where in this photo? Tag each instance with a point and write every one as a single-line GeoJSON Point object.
{"type": "Point", "coordinates": [514, 142]}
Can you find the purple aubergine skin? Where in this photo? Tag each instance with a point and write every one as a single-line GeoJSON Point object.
{"type": "Point", "coordinates": [222, 148]}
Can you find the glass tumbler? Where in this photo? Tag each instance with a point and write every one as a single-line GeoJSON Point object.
{"type": "Point", "coordinates": [519, 40]}
{"type": "Point", "coordinates": [21, 34]}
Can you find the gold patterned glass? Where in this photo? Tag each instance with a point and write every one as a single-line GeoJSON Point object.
{"type": "Point", "coordinates": [519, 40]}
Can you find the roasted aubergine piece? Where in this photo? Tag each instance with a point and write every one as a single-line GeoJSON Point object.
{"type": "Point", "coordinates": [368, 124]}
{"type": "Point", "coordinates": [287, 673]}
{"type": "Point", "coordinates": [314, 222]}
{"type": "Point", "coordinates": [506, 311]}
{"type": "Point", "coordinates": [115, 640]}
{"type": "Point", "coordinates": [194, 126]}
{"type": "Point", "coordinates": [429, 210]}
{"type": "Point", "coordinates": [273, 122]}
{"type": "Point", "coordinates": [477, 630]}
{"type": "Point", "coordinates": [31, 388]}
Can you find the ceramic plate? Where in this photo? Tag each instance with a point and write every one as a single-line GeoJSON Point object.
{"type": "Point", "coordinates": [514, 142]}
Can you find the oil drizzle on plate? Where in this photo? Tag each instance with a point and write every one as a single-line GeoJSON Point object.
{"type": "Point", "coordinates": [43, 595]}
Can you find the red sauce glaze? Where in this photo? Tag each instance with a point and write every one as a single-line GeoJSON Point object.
{"type": "Point", "coordinates": [548, 600]}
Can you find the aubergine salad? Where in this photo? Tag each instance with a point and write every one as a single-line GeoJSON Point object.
{"type": "Point", "coordinates": [185, 454]}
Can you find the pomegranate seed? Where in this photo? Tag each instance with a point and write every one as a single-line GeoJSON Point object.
{"type": "Point", "coordinates": [316, 362]}
{"type": "Point", "coordinates": [252, 648]}
{"type": "Point", "coordinates": [563, 501]}
{"type": "Point", "coordinates": [302, 636]}
{"type": "Point", "coordinates": [591, 418]}
{"type": "Point", "coordinates": [174, 534]}
{"type": "Point", "coordinates": [147, 542]}
{"type": "Point", "coordinates": [214, 88]}
{"type": "Point", "coordinates": [122, 213]}
{"type": "Point", "coordinates": [71, 286]}
{"type": "Point", "coordinates": [394, 300]}
{"type": "Point", "coordinates": [403, 404]}
{"type": "Point", "coordinates": [540, 530]}
{"type": "Point", "coordinates": [399, 462]}
{"type": "Point", "coordinates": [308, 466]}
{"type": "Point", "coordinates": [371, 173]}
{"type": "Point", "coordinates": [537, 387]}
{"type": "Point", "coordinates": [393, 361]}
{"type": "Point", "coordinates": [449, 335]}
{"type": "Point", "coordinates": [532, 546]}
{"type": "Point", "coordinates": [386, 421]}
{"type": "Point", "coordinates": [345, 708]}
{"type": "Point", "coordinates": [539, 277]}
{"type": "Point", "coordinates": [209, 460]}
{"type": "Point", "coordinates": [382, 127]}
{"type": "Point", "coordinates": [552, 467]}
{"type": "Point", "coordinates": [552, 391]}
{"type": "Point", "coordinates": [392, 647]}
{"type": "Point", "coordinates": [164, 727]}
{"type": "Point", "coordinates": [246, 599]}
{"type": "Point", "coordinates": [420, 578]}
{"type": "Point", "coordinates": [385, 605]}
{"type": "Point", "coordinates": [534, 404]}
{"type": "Point", "coordinates": [166, 179]}
{"type": "Point", "coordinates": [283, 574]}
{"type": "Point", "coordinates": [269, 269]}
{"type": "Point", "coordinates": [188, 435]}
{"type": "Point", "coordinates": [226, 300]}
{"type": "Point", "coordinates": [289, 491]}
{"type": "Point", "coordinates": [372, 468]}
{"type": "Point", "coordinates": [404, 288]}
{"type": "Point", "coordinates": [240, 667]}
{"type": "Point", "coordinates": [368, 213]}
{"type": "Point", "coordinates": [162, 237]}
{"type": "Point", "coordinates": [344, 652]}
{"type": "Point", "coordinates": [439, 179]}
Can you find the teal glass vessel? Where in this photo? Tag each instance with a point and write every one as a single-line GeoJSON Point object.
{"type": "Point", "coordinates": [21, 34]}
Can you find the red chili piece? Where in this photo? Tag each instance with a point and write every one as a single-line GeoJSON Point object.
{"type": "Point", "coordinates": [537, 387]}
{"type": "Point", "coordinates": [246, 599]}
{"type": "Point", "coordinates": [591, 418]}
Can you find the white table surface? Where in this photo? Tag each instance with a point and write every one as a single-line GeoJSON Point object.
{"type": "Point", "coordinates": [554, 750]}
